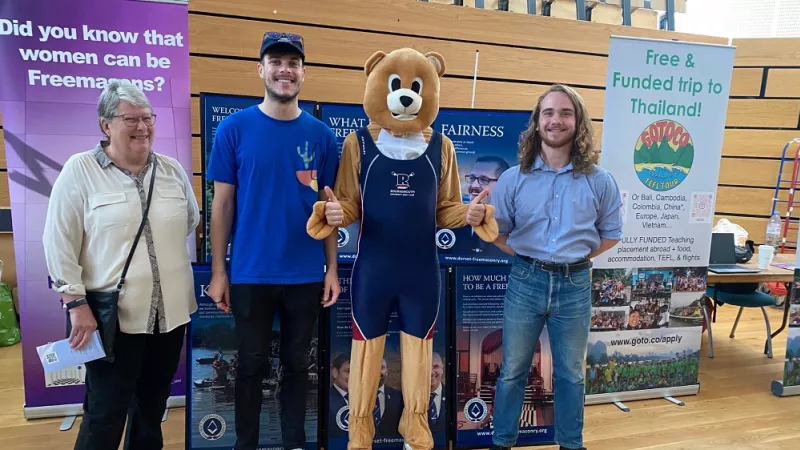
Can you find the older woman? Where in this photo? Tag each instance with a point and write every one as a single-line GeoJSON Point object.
{"type": "Point", "coordinates": [121, 211]}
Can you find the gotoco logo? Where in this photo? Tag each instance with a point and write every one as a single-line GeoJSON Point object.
{"type": "Point", "coordinates": [663, 155]}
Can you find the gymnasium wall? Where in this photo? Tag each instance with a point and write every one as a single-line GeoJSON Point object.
{"type": "Point", "coordinates": [763, 115]}
{"type": "Point", "coordinates": [519, 56]}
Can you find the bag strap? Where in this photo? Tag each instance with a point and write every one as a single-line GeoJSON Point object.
{"type": "Point", "coordinates": [141, 226]}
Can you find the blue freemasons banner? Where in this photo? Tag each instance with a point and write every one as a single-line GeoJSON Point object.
{"type": "Point", "coordinates": [479, 292]}
{"type": "Point", "coordinates": [390, 396]}
{"type": "Point", "coordinates": [486, 145]}
{"type": "Point", "coordinates": [212, 361]}
{"type": "Point", "coordinates": [343, 120]}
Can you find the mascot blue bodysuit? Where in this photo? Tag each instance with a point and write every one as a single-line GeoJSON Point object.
{"type": "Point", "coordinates": [399, 177]}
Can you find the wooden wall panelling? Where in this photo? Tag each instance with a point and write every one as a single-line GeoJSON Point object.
{"type": "Point", "coordinates": [746, 82]}
{"type": "Point", "coordinates": [8, 258]}
{"type": "Point", "coordinates": [750, 201]}
{"type": "Point", "coordinates": [758, 143]}
{"type": "Point", "coordinates": [753, 172]}
{"type": "Point", "coordinates": [196, 116]}
{"type": "Point", "coordinates": [757, 52]}
{"type": "Point", "coordinates": [783, 82]}
{"type": "Point", "coordinates": [411, 17]}
{"type": "Point", "coordinates": [327, 84]}
{"type": "Point", "coordinates": [197, 159]}
{"type": "Point", "coordinates": [241, 38]}
{"type": "Point", "coordinates": [759, 113]}
{"type": "Point", "coordinates": [5, 199]}
{"type": "Point", "coordinates": [197, 186]}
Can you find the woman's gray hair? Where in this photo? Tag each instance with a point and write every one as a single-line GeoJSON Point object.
{"type": "Point", "coordinates": [116, 92]}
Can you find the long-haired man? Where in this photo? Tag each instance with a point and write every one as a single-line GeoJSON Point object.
{"type": "Point", "coordinates": [556, 210]}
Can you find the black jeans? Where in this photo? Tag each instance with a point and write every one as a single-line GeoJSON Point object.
{"type": "Point", "coordinates": [254, 308]}
{"type": "Point", "coordinates": [135, 387]}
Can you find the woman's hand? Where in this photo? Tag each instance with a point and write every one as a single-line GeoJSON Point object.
{"type": "Point", "coordinates": [83, 325]}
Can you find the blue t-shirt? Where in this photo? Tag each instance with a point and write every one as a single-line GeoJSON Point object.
{"type": "Point", "coordinates": [277, 167]}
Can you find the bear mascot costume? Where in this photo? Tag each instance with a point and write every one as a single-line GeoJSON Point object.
{"type": "Point", "coordinates": [399, 177]}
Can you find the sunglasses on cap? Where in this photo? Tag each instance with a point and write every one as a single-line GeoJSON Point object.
{"type": "Point", "coordinates": [277, 36]}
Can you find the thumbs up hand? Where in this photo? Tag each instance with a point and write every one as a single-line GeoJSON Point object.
{"type": "Point", "coordinates": [477, 210]}
{"type": "Point", "coordinates": [333, 209]}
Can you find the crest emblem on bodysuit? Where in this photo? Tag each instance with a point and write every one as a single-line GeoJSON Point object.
{"type": "Point", "coordinates": [403, 180]}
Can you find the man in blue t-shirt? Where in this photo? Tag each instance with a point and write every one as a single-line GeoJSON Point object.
{"type": "Point", "coordinates": [269, 164]}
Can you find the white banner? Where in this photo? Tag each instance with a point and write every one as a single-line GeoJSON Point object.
{"type": "Point", "coordinates": [665, 108]}
{"type": "Point", "coordinates": [663, 126]}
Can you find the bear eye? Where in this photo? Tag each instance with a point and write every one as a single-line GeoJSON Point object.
{"type": "Point", "coordinates": [416, 85]}
{"type": "Point", "coordinates": [394, 82]}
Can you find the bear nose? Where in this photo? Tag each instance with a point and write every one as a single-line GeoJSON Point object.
{"type": "Point", "coordinates": [406, 100]}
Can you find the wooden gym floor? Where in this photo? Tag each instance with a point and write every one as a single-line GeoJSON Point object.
{"type": "Point", "coordinates": [734, 409]}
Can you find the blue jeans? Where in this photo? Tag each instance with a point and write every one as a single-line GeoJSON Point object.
{"type": "Point", "coordinates": [535, 297]}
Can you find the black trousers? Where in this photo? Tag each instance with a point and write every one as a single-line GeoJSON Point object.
{"type": "Point", "coordinates": [254, 308]}
{"type": "Point", "coordinates": [135, 387]}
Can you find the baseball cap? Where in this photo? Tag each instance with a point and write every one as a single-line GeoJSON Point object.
{"type": "Point", "coordinates": [291, 42]}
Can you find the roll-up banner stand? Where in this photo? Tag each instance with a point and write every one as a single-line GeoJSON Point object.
{"type": "Point", "coordinates": [57, 57]}
{"type": "Point", "coordinates": [389, 398]}
{"type": "Point", "coordinates": [478, 357]}
{"type": "Point", "coordinates": [665, 110]}
{"type": "Point", "coordinates": [212, 361]}
{"type": "Point", "coordinates": [789, 384]}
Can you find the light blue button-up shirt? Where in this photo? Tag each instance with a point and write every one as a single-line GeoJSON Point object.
{"type": "Point", "coordinates": [557, 216]}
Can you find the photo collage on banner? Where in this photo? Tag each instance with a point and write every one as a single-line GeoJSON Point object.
{"type": "Point", "coordinates": [389, 396]}
{"type": "Point", "coordinates": [791, 368]}
{"type": "Point", "coordinates": [486, 145]}
{"type": "Point", "coordinates": [212, 361]}
{"type": "Point", "coordinates": [214, 108]}
{"type": "Point", "coordinates": [479, 292]}
{"type": "Point", "coordinates": [665, 109]}
{"type": "Point", "coordinates": [49, 114]}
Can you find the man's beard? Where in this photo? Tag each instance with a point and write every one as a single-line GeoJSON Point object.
{"type": "Point", "coordinates": [567, 139]}
{"type": "Point", "coordinates": [280, 97]}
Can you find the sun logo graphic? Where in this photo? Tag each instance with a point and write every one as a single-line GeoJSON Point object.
{"type": "Point", "coordinates": [663, 155]}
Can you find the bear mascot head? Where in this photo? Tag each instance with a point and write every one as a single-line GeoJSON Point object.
{"type": "Point", "coordinates": [401, 100]}
{"type": "Point", "coordinates": [402, 91]}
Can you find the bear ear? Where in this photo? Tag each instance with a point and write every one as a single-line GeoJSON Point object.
{"type": "Point", "coordinates": [373, 61]}
{"type": "Point", "coordinates": [438, 62]}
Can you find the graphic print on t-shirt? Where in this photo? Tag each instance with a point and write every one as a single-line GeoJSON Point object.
{"type": "Point", "coordinates": [308, 176]}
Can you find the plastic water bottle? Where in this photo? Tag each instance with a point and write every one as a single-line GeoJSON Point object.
{"type": "Point", "coordinates": [774, 230]}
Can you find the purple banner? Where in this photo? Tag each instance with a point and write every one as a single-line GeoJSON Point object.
{"type": "Point", "coordinates": [55, 59]}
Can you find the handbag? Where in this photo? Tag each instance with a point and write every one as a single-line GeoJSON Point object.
{"type": "Point", "coordinates": [744, 254]}
{"type": "Point", "coordinates": [104, 304]}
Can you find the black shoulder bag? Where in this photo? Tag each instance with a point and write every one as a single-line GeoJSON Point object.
{"type": "Point", "coordinates": [104, 304]}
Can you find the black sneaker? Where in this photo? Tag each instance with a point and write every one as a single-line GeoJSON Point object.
{"type": "Point", "coordinates": [565, 448]}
